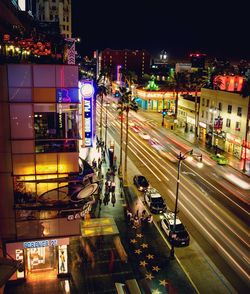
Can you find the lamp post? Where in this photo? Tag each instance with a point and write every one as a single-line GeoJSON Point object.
{"type": "Point", "coordinates": [106, 124]}
{"type": "Point", "coordinates": [180, 157]}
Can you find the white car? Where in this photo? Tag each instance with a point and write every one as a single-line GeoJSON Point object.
{"type": "Point", "coordinates": [154, 201]}
{"type": "Point", "coordinates": [144, 135]}
{"type": "Point", "coordinates": [179, 236]}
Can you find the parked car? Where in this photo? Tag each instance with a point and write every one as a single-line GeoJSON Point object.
{"type": "Point", "coordinates": [178, 237]}
{"type": "Point", "coordinates": [155, 201]}
{"type": "Point", "coordinates": [141, 182]}
{"type": "Point", "coordinates": [144, 135]}
{"type": "Point", "coordinates": [220, 159]}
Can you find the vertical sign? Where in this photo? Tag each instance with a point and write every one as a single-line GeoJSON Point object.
{"type": "Point", "coordinates": [87, 94]}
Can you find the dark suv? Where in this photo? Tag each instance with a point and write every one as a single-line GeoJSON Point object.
{"type": "Point", "coordinates": [141, 182]}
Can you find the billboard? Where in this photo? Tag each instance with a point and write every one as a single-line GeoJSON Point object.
{"type": "Point", "coordinates": [67, 95]}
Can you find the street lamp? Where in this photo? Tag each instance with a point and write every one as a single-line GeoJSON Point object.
{"type": "Point", "coordinates": [106, 124]}
{"type": "Point", "coordinates": [180, 157]}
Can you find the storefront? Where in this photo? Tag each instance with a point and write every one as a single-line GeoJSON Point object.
{"type": "Point", "coordinates": [46, 258]}
{"type": "Point", "coordinates": [155, 100]}
{"type": "Point", "coordinates": [202, 131]}
{"type": "Point", "coordinates": [233, 145]}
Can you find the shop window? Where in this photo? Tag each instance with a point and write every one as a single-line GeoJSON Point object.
{"type": "Point", "coordinates": [48, 146]}
{"type": "Point", "coordinates": [68, 162]}
{"type": "Point", "coordinates": [228, 123]}
{"type": "Point", "coordinates": [229, 108]}
{"type": "Point", "coordinates": [237, 126]}
{"type": "Point", "coordinates": [239, 111]}
{"type": "Point", "coordinates": [63, 259]}
{"type": "Point", "coordinates": [46, 163]}
{"type": "Point", "coordinates": [23, 164]}
{"type": "Point", "coordinates": [24, 192]}
{"type": "Point", "coordinates": [207, 105]}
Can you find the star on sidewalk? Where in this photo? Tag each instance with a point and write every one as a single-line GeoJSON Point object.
{"type": "Point", "coordinates": [143, 263]}
{"type": "Point", "coordinates": [138, 251]}
{"type": "Point", "coordinates": [150, 256]}
{"type": "Point", "coordinates": [139, 235]}
{"type": "Point", "coordinates": [144, 245]}
{"type": "Point", "coordinates": [133, 241]}
{"type": "Point", "coordinates": [155, 268]}
{"type": "Point", "coordinates": [163, 283]}
{"type": "Point", "coordinates": [149, 276]}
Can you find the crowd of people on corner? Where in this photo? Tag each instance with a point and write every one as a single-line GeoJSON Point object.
{"type": "Point", "coordinates": [138, 220]}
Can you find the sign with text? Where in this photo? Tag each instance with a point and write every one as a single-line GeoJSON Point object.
{"type": "Point", "coordinates": [87, 92]}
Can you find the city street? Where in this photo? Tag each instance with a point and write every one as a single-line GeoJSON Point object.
{"type": "Point", "coordinates": [205, 206]}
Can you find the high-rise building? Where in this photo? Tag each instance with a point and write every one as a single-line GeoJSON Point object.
{"type": "Point", "coordinates": [137, 61]}
{"type": "Point", "coordinates": [55, 11]}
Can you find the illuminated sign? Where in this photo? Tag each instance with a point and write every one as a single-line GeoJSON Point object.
{"type": "Point", "coordinates": [87, 92]}
{"type": "Point", "coordinates": [67, 95]}
{"type": "Point", "coordinates": [40, 243]}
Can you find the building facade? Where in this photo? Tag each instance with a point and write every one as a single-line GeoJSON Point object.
{"type": "Point", "coordinates": [55, 11]}
{"type": "Point", "coordinates": [223, 121]}
{"type": "Point", "coordinates": [137, 61]}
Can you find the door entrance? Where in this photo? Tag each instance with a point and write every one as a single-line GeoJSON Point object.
{"type": "Point", "coordinates": [41, 263]}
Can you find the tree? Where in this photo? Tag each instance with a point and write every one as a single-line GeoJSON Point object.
{"type": "Point", "coordinates": [102, 90]}
{"type": "Point", "coordinates": [125, 103]}
{"type": "Point", "coordinates": [196, 81]}
{"type": "Point", "coordinates": [245, 93]}
{"type": "Point", "coordinates": [177, 82]}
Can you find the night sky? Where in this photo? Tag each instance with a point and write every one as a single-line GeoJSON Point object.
{"type": "Point", "coordinates": [219, 28]}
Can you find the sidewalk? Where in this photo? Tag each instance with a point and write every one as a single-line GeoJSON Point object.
{"type": "Point", "coordinates": [148, 261]}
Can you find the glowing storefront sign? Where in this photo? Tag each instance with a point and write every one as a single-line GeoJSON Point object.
{"type": "Point", "coordinates": [87, 92]}
{"type": "Point", "coordinates": [40, 243]}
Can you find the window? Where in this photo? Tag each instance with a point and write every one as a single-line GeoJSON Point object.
{"type": "Point", "coordinates": [220, 106]}
{"type": "Point", "coordinates": [228, 123]}
{"type": "Point", "coordinates": [237, 126]}
{"type": "Point", "coordinates": [229, 108]}
{"type": "Point", "coordinates": [239, 111]}
{"type": "Point", "coordinates": [206, 115]}
{"type": "Point", "coordinates": [207, 103]}
{"type": "Point", "coordinates": [64, 27]}
{"type": "Point", "coordinates": [202, 113]}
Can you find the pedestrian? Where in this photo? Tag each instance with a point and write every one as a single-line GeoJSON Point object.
{"type": "Point", "coordinates": [100, 202]}
{"type": "Point", "coordinates": [113, 199]}
{"type": "Point", "coordinates": [112, 188]}
{"type": "Point", "coordinates": [129, 215]}
{"type": "Point", "coordinates": [106, 198]}
{"type": "Point", "coordinates": [100, 164]}
{"type": "Point", "coordinates": [94, 164]}
{"type": "Point", "coordinates": [150, 219]}
{"type": "Point", "coordinates": [108, 175]}
{"type": "Point", "coordinates": [136, 222]}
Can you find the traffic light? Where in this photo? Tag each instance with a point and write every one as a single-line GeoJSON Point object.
{"type": "Point", "coordinates": [164, 112]}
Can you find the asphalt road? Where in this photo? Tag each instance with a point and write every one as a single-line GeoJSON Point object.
{"type": "Point", "coordinates": [215, 216]}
